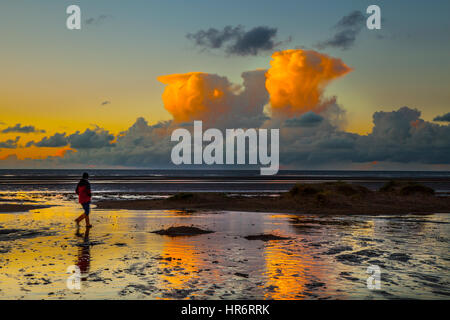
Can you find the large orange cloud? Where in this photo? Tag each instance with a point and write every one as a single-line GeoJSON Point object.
{"type": "Point", "coordinates": [196, 96]}
{"type": "Point", "coordinates": [297, 79]}
{"type": "Point", "coordinates": [214, 99]}
{"type": "Point", "coordinates": [295, 83]}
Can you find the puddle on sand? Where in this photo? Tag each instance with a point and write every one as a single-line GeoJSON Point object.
{"type": "Point", "coordinates": [323, 257]}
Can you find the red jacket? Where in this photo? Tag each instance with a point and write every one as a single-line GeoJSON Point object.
{"type": "Point", "coordinates": [83, 191]}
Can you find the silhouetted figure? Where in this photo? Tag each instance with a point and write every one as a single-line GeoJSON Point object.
{"type": "Point", "coordinates": [83, 191]}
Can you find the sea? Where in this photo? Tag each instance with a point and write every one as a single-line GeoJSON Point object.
{"type": "Point", "coordinates": [169, 181]}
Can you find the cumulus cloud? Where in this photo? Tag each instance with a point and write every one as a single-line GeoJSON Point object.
{"type": "Point", "coordinates": [236, 40]}
{"type": "Point", "coordinates": [297, 78]}
{"type": "Point", "coordinates": [443, 118]}
{"type": "Point", "coordinates": [55, 141]}
{"type": "Point", "coordinates": [214, 99]}
{"type": "Point", "coordinates": [142, 145]}
{"type": "Point", "coordinates": [396, 124]}
{"type": "Point", "coordinates": [10, 143]}
{"type": "Point", "coordinates": [90, 138]}
{"type": "Point", "coordinates": [402, 136]}
{"type": "Point", "coordinates": [312, 131]}
{"type": "Point", "coordinates": [399, 136]}
{"type": "Point", "coordinates": [22, 129]}
{"type": "Point", "coordinates": [347, 30]}
{"type": "Point", "coordinates": [96, 138]}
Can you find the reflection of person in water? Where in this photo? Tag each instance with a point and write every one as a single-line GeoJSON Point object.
{"type": "Point", "coordinates": [84, 254]}
{"type": "Point", "coordinates": [84, 198]}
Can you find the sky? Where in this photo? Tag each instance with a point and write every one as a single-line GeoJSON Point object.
{"type": "Point", "coordinates": [107, 76]}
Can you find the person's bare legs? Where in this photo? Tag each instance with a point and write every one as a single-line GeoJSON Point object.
{"type": "Point", "coordinates": [88, 224]}
{"type": "Point", "coordinates": [80, 218]}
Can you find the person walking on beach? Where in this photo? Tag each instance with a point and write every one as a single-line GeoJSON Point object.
{"type": "Point", "coordinates": [83, 191]}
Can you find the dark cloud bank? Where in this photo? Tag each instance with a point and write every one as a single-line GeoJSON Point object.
{"type": "Point", "coordinates": [397, 137]}
{"type": "Point", "coordinates": [308, 141]}
{"type": "Point", "coordinates": [95, 138]}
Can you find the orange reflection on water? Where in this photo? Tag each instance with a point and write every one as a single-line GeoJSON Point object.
{"type": "Point", "coordinates": [179, 254]}
{"type": "Point", "coordinates": [284, 274]}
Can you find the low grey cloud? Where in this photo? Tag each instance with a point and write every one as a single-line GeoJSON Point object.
{"type": "Point", "coordinates": [22, 129]}
{"type": "Point", "coordinates": [90, 138]}
{"type": "Point", "coordinates": [236, 40]}
{"type": "Point", "coordinates": [57, 140]}
{"type": "Point", "coordinates": [308, 119]}
{"type": "Point", "coordinates": [142, 145]}
{"type": "Point", "coordinates": [10, 143]}
{"type": "Point", "coordinates": [346, 31]}
{"type": "Point", "coordinates": [399, 136]}
{"type": "Point", "coordinates": [104, 103]}
{"type": "Point", "coordinates": [443, 118]}
{"type": "Point", "coordinates": [96, 138]}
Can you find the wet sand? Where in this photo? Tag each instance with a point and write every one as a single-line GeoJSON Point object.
{"type": "Point", "coordinates": [249, 255]}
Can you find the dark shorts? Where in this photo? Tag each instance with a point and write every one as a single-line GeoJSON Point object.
{"type": "Point", "coordinates": [86, 208]}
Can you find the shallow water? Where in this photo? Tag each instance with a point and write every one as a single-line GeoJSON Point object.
{"type": "Point", "coordinates": [325, 257]}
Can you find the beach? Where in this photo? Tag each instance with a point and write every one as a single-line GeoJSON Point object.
{"type": "Point", "coordinates": [225, 245]}
{"type": "Point", "coordinates": [308, 257]}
